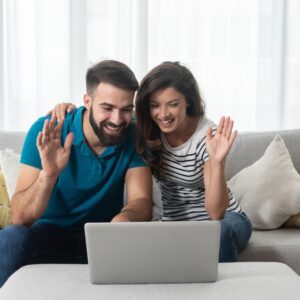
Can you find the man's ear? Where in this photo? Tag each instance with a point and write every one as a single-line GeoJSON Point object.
{"type": "Point", "coordinates": [87, 101]}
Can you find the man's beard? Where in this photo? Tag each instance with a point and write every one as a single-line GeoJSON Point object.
{"type": "Point", "coordinates": [105, 139]}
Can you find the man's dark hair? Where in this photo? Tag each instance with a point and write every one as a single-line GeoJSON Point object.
{"type": "Point", "coordinates": [112, 72]}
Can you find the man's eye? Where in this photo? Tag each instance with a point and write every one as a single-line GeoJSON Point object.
{"type": "Point", "coordinates": [107, 108]}
{"type": "Point", "coordinates": [128, 110]}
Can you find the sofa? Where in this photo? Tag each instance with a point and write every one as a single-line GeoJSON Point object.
{"type": "Point", "coordinates": [277, 245]}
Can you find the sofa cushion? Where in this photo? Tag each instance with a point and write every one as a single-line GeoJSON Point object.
{"type": "Point", "coordinates": [5, 216]}
{"type": "Point", "coordinates": [250, 146]}
{"type": "Point", "coordinates": [280, 245]}
{"type": "Point", "coordinates": [269, 189]}
{"type": "Point", "coordinates": [293, 221]}
{"type": "Point", "coordinates": [10, 165]}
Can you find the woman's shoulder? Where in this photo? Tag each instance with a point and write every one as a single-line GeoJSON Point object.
{"type": "Point", "coordinates": [203, 124]}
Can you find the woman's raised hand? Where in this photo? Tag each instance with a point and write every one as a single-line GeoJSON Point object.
{"type": "Point", "coordinates": [218, 146]}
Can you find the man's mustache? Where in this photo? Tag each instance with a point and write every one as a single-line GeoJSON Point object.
{"type": "Point", "coordinates": [112, 125]}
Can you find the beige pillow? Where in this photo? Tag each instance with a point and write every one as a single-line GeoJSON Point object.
{"type": "Point", "coordinates": [5, 216]}
{"type": "Point", "coordinates": [10, 165]}
{"type": "Point", "coordinates": [293, 221]}
{"type": "Point", "coordinates": [269, 190]}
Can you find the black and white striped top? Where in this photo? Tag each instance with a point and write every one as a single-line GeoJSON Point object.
{"type": "Point", "coordinates": [182, 188]}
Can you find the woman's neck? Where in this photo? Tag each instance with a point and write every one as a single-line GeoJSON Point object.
{"type": "Point", "coordinates": [183, 133]}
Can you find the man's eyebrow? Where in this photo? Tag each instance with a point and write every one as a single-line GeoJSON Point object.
{"type": "Point", "coordinates": [111, 105]}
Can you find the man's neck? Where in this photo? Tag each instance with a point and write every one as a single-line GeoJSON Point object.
{"type": "Point", "coordinates": [90, 136]}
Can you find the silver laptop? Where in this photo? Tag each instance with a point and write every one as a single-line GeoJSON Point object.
{"type": "Point", "coordinates": [153, 252]}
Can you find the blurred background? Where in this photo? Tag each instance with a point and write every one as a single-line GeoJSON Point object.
{"type": "Point", "coordinates": [245, 54]}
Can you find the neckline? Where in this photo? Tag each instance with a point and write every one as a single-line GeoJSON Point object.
{"type": "Point", "coordinates": [169, 147]}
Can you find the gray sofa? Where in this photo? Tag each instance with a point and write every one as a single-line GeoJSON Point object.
{"type": "Point", "coordinates": [280, 245]}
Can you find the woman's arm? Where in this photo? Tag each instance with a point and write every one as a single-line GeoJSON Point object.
{"type": "Point", "coordinates": [217, 147]}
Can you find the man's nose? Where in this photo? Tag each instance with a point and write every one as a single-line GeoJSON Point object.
{"type": "Point", "coordinates": [116, 117]}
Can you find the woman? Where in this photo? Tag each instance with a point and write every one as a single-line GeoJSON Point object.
{"type": "Point", "coordinates": [187, 154]}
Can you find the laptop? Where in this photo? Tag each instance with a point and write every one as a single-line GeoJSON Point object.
{"type": "Point", "coordinates": [153, 252]}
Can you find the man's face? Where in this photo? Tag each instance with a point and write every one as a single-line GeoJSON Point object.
{"type": "Point", "coordinates": [111, 111]}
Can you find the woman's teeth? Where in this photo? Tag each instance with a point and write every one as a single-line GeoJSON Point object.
{"type": "Point", "coordinates": [166, 123]}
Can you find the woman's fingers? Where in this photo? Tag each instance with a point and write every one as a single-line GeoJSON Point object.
{"type": "Point", "coordinates": [232, 137]}
{"type": "Point", "coordinates": [209, 134]}
{"type": "Point", "coordinates": [71, 107]}
{"type": "Point", "coordinates": [225, 127]}
{"type": "Point", "coordinates": [221, 125]}
{"type": "Point", "coordinates": [229, 129]}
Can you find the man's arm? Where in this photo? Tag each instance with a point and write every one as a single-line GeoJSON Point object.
{"type": "Point", "coordinates": [32, 194]}
{"type": "Point", "coordinates": [35, 186]}
{"type": "Point", "coordinates": [139, 194]}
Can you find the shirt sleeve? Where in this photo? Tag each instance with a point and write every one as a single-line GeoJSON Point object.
{"type": "Point", "coordinates": [136, 161]}
{"type": "Point", "coordinates": [30, 153]}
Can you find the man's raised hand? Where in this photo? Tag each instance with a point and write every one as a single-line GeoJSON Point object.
{"type": "Point", "coordinates": [54, 156]}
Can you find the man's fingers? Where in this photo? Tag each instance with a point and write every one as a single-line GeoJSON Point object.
{"type": "Point", "coordinates": [45, 132]}
{"type": "Point", "coordinates": [52, 124]}
{"type": "Point", "coordinates": [68, 142]}
{"type": "Point", "coordinates": [39, 140]}
{"type": "Point", "coordinates": [57, 130]}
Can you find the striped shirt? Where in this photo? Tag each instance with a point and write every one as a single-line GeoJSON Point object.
{"type": "Point", "coordinates": [182, 188]}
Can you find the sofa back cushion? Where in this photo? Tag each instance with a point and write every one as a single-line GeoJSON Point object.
{"type": "Point", "coordinates": [250, 146]}
{"type": "Point", "coordinates": [12, 140]}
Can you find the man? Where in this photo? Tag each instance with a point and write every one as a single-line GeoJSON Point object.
{"type": "Point", "coordinates": [73, 171]}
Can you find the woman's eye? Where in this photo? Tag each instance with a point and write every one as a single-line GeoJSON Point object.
{"type": "Point", "coordinates": [174, 104]}
{"type": "Point", "coordinates": [153, 105]}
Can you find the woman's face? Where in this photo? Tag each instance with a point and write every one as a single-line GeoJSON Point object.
{"type": "Point", "coordinates": [168, 109]}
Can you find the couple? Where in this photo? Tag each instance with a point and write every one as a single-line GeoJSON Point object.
{"type": "Point", "coordinates": [74, 169]}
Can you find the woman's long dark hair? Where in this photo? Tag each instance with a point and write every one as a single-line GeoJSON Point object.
{"type": "Point", "coordinates": [167, 74]}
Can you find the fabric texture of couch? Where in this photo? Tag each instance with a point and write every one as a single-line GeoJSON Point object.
{"type": "Point", "coordinates": [280, 245]}
{"type": "Point", "coordinates": [244, 280]}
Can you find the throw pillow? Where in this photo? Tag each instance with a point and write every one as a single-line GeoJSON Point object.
{"type": "Point", "coordinates": [10, 165]}
{"type": "Point", "coordinates": [294, 221]}
{"type": "Point", "coordinates": [269, 190]}
{"type": "Point", "coordinates": [5, 216]}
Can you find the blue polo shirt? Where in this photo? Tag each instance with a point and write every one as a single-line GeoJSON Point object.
{"type": "Point", "coordinates": [90, 188]}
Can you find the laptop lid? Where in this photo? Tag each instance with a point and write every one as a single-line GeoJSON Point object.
{"type": "Point", "coordinates": [153, 252]}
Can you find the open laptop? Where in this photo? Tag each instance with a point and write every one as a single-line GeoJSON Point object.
{"type": "Point", "coordinates": [153, 252]}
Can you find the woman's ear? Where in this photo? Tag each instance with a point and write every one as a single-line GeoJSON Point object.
{"type": "Point", "coordinates": [87, 101]}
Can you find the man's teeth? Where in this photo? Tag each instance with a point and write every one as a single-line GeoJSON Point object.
{"type": "Point", "coordinates": [112, 128]}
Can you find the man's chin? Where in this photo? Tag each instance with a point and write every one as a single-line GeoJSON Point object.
{"type": "Point", "coordinates": [112, 139]}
